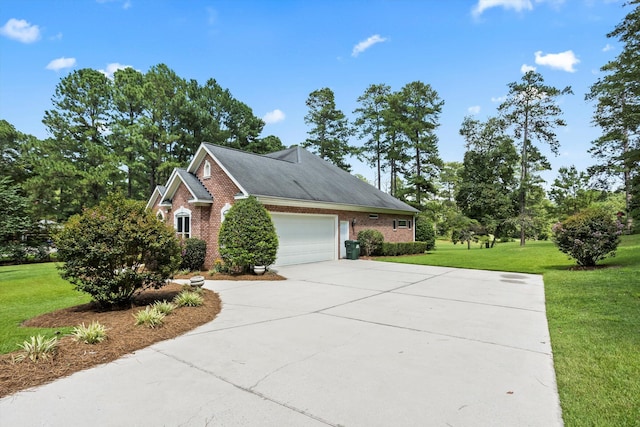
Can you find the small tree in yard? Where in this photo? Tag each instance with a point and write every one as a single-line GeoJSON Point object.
{"type": "Point", "coordinates": [588, 236]}
{"type": "Point", "coordinates": [425, 232]}
{"type": "Point", "coordinates": [370, 241]}
{"type": "Point", "coordinates": [247, 236]}
{"type": "Point", "coordinates": [115, 249]}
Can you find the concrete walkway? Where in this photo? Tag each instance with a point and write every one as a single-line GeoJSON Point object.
{"type": "Point", "coordinates": [344, 343]}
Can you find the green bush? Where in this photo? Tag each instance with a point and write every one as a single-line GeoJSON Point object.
{"type": "Point", "coordinates": [371, 241]}
{"type": "Point", "coordinates": [193, 254]}
{"type": "Point", "coordinates": [115, 249]}
{"type": "Point", "coordinates": [588, 236]}
{"type": "Point", "coordinates": [247, 236]}
{"type": "Point", "coordinates": [425, 232]}
{"type": "Point", "coordinates": [405, 248]}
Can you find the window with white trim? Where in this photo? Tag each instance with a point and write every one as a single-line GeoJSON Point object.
{"type": "Point", "coordinates": [206, 170]}
{"type": "Point", "coordinates": [223, 211]}
{"type": "Point", "coordinates": [403, 223]}
{"type": "Point", "coordinates": [182, 223]}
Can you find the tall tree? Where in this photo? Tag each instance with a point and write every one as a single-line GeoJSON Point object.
{"type": "Point", "coordinates": [532, 114]}
{"type": "Point", "coordinates": [396, 156]}
{"type": "Point", "coordinates": [487, 191]}
{"type": "Point", "coordinates": [617, 111]}
{"type": "Point", "coordinates": [127, 129]}
{"type": "Point", "coordinates": [420, 113]}
{"type": "Point", "coordinates": [330, 132]}
{"type": "Point", "coordinates": [79, 159]}
{"type": "Point", "coordinates": [370, 124]}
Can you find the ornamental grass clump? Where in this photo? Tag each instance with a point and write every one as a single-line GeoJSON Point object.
{"type": "Point", "coordinates": [149, 317]}
{"type": "Point", "coordinates": [188, 299]}
{"type": "Point", "coordinates": [37, 348]}
{"type": "Point", "coordinates": [93, 334]}
{"type": "Point", "coordinates": [164, 307]}
{"type": "Point", "coordinates": [588, 236]}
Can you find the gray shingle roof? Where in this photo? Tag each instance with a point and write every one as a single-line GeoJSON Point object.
{"type": "Point", "coordinates": [195, 186]}
{"type": "Point", "coordinates": [300, 175]}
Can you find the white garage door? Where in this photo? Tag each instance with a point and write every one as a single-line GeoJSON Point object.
{"type": "Point", "coordinates": [305, 238]}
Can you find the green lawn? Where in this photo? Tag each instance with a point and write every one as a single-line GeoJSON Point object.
{"type": "Point", "coordinates": [27, 291]}
{"type": "Point", "coordinates": [594, 321]}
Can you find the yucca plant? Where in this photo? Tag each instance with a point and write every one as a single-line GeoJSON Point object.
{"type": "Point", "coordinates": [188, 299]}
{"type": "Point", "coordinates": [149, 317]}
{"type": "Point", "coordinates": [164, 307]}
{"type": "Point", "coordinates": [92, 334]}
{"type": "Point", "coordinates": [37, 348]}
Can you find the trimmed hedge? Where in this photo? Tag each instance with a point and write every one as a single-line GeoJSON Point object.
{"type": "Point", "coordinates": [194, 252]}
{"type": "Point", "coordinates": [405, 248]}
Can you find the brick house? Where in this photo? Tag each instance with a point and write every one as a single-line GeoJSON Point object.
{"type": "Point", "coordinates": [315, 206]}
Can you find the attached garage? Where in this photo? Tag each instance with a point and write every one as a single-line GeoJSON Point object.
{"type": "Point", "coordinates": [305, 238]}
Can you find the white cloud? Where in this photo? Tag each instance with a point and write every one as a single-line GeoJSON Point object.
{"type": "Point", "coordinates": [21, 30]}
{"type": "Point", "coordinates": [560, 61]}
{"type": "Point", "coordinates": [499, 99]}
{"type": "Point", "coordinates": [274, 116]}
{"type": "Point", "coordinates": [60, 63]}
{"type": "Point", "coordinates": [517, 5]}
{"type": "Point", "coordinates": [526, 68]}
{"type": "Point", "coordinates": [212, 16]}
{"type": "Point", "coordinates": [607, 48]}
{"type": "Point", "coordinates": [56, 37]}
{"type": "Point", "coordinates": [474, 109]}
{"type": "Point", "coordinates": [126, 4]}
{"type": "Point", "coordinates": [366, 44]}
{"type": "Point", "coordinates": [112, 68]}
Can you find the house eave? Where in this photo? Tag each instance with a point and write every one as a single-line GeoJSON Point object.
{"type": "Point", "coordinates": [200, 202]}
{"type": "Point", "coordinates": [298, 203]}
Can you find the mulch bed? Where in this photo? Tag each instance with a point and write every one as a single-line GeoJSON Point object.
{"type": "Point", "coordinates": [269, 275]}
{"type": "Point", "coordinates": [123, 337]}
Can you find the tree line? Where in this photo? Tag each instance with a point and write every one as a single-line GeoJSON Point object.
{"type": "Point", "coordinates": [127, 133]}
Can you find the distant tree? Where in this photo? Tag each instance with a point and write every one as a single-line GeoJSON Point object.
{"type": "Point", "coordinates": [15, 219]}
{"type": "Point", "coordinates": [487, 188]}
{"type": "Point", "coordinates": [115, 249]}
{"type": "Point", "coordinates": [268, 144]}
{"type": "Point", "coordinates": [397, 155]}
{"type": "Point", "coordinates": [421, 108]}
{"type": "Point", "coordinates": [449, 180]}
{"type": "Point", "coordinates": [532, 114]}
{"type": "Point", "coordinates": [617, 111]}
{"type": "Point", "coordinates": [370, 124]}
{"type": "Point", "coordinates": [570, 191]}
{"type": "Point", "coordinates": [330, 132]}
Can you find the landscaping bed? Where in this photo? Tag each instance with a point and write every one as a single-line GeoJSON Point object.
{"type": "Point", "coordinates": [123, 337]}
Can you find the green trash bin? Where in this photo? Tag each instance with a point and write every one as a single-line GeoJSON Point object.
{"type": "Point", "coordinates": [353, 249]}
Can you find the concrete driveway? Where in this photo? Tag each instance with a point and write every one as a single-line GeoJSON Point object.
{"type": "Point", "coordinates": [344, 343]}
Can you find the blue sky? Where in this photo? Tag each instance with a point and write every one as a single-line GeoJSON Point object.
{"type": "Point", "coordinates": [272, 54]}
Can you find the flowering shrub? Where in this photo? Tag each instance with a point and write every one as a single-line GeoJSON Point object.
{"type": "Point", "coordinates": [588, 236]}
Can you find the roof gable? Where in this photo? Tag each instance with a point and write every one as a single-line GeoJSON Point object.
{"type": "Point", "coordinates": [199, 193]}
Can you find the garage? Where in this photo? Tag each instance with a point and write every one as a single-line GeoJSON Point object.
{"type": "Point", "coordinates": [305, 238]}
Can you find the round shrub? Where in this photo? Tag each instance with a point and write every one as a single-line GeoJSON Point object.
{"type": "Point", "coordinates": [371, 241]}
{"type": "Point", "coordinates": [193, 253]}
{"type": "Point", "coordinates": [425, 232]}
{"type": "Point", "coordinates": [588, 236]}
{"type": "Point", "coordinates": [112, 250]}
{"type": "Point", "coordinates": [247, 236]}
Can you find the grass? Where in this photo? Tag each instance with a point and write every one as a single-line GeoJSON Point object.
{"type": "Point", "coordinates": [37, 348]}
{"type": "Point", "coordinates": [188, 299]}
{"type": "Point", "coordinates": [27, 291]}
{"type": "Point", "coordinates": [594, 322]}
